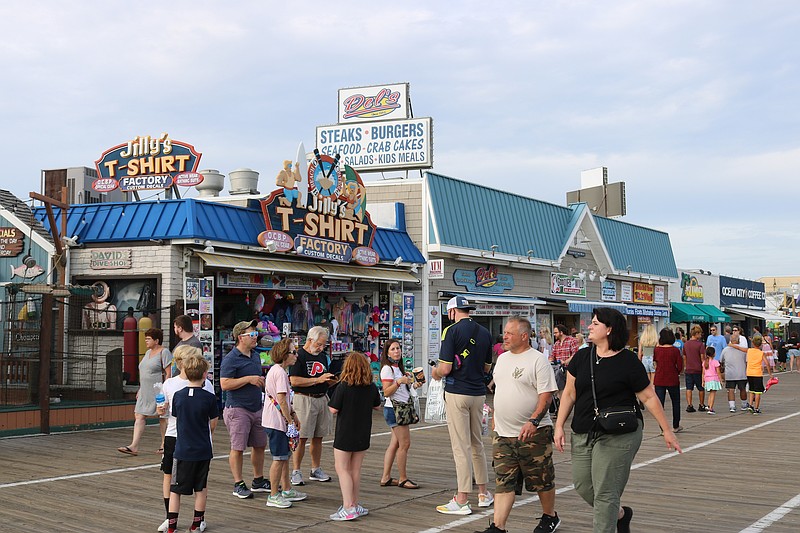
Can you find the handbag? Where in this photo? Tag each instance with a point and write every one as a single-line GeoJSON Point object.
{"type": "Point", "coordinates": [404, 412]}
{"type": "Point", "coordinates": [434, 404]}
{"type": "Point", "coordinates": [612, 420]}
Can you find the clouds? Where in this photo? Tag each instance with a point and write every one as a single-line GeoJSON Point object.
{"type": "Point", "coordinates": [693, 104]}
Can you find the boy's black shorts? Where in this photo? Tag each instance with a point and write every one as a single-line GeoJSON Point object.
{"type": "Point", "coordinates": [166, 459]}
{"type": "Point", "coordinates": [189, 476]}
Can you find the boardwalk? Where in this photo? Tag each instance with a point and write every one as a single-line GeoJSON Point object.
{"type": "Point", "coordinates": [739, 472]}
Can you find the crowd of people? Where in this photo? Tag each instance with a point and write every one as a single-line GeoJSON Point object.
{"type": "Point", "coordinates": [600, 382]}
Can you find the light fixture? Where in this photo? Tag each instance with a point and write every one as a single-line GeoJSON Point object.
{"type": "Point", "coordinates": [530, 254]}
{"type": "Point", "coordinates": [494, 248]}
{"type": "Point", "coordinates": [271, 246]}
{"type": "Point", "coordinates": [415, 268]}
{"type": "Point", "coordinates": [628, 268]}
{"type": "Point", "coordinates": [209, 249]}
{"type": "Point", "coordinates": [398, 260]}
{"type": "Point", "coordinates": [157, 241]}
{"type": "Point", "coordinates": [582, 274]}
{"type": "Point", "coordinates": [603, 275]}
{"type": "Point", "coordinates": [592, 275]}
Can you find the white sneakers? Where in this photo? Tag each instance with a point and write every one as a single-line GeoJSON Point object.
{"type": "Point", "coordinates": [485, 500]}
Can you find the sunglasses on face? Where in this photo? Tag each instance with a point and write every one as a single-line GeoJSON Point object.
{"type": "Point", "coordinates": [250, 334]}
{"type": "Point", "coordinates": [293, 352]}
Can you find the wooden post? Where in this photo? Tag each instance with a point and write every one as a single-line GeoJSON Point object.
{"type": "Point", "coordinates": [45, 352]}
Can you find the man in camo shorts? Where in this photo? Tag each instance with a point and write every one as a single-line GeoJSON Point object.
{"type": "Point", "coordinates": [522, 442]}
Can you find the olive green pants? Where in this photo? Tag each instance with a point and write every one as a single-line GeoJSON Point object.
{"type": "Point", "coordinates": [601, 466]}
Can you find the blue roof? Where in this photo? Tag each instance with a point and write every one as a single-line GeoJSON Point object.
{"type": "Point", "coordinates": [643, 250]}
{"type": "Point", "coordinates": [193, 219]}
{"type": "Point", "coordinates": [473, 216]}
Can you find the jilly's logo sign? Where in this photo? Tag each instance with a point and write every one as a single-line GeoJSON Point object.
{"type": "Point", "coordinates": [147, 162]}
{"type": "Point", "coordinates": [329, 222]}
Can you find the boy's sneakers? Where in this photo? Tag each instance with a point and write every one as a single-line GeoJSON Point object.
{"type": "Point", "coordinates": [260, 486]}
{"type": "Point", "coordinates": [319, 475]}
{"type": "Point", "coordinates": [690, 408]}
{"type": "Point", "coordinates": [278, 501]}
{"type": "Point", "coordinates": [453, 507]}
{"type": "Point", "coordinates": [164, 526]}
{"type": "Point", "coordinates": [294, 495]}
{"type": "Point", "coordinates": [750, 409]}
{"type": "Point", "coordinates": [492, 529]}
{"type": "Point", "coordinates": [702, 408]}
{"type": "Point", "coordinates": [361, 511]}
{"type": "Point", "coordinates": [485, 500]}
{"type": "Point", "coordinates": [756, 411]}
{"type": "Point", "coordinates": [547, 524]}
{"type": "Point", "coordinates": [203, 526]}
{"type": "Point", "coordinates": [240, 490]}
{"type": "Point", "coordinates": [711, 412]}
{"type": "Point", "coordinates": [733, 409]}
{"type": "Point", "coordinates": [297, 478]}
{"type": "Point", "coordinates": [344, 514]}
{"type": "Point", "coordinates": [745, 406]}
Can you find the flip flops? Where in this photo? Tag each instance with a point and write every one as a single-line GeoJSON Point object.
{"type": "Point", "coordinates": [407, 484]}
{"type": "Point", "coordinates": [389, 483]}
{"type": "Point", "coordinates": [126, 450]}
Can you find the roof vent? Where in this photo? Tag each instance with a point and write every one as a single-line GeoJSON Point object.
{"type": "Point", "coordinates": [243, 181]}
{"type": "Point", "coordinates": [213, 182]}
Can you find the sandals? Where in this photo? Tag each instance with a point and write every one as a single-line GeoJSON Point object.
{"type": "Point", "coordinates": [407, 484]}
{"type": "Point", "coordinates": [389, 483]}
{"type": "Point", "coordinates": [126, 450]}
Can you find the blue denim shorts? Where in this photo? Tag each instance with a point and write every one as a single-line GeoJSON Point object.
{"type": "Point", "coordinates": [278, 444]}
{"type": "Point", "coordinates": [388, 415]}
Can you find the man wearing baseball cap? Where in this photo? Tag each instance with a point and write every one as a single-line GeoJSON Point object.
{"type": "Point", "coordinates": [241, 378]}
{"type": "Point", "coordinates": [465, 358]}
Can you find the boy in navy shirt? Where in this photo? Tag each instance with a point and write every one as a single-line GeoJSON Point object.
{"type": "Point", "coordinates": [195, 410]}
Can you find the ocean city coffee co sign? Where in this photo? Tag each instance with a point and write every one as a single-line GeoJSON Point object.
{"type": "Point", "coordinates": [483, 279]}
{"type": "Point", "coordinates": [328, 222]}
{"type": "Point", "coordinates": [146, 163]}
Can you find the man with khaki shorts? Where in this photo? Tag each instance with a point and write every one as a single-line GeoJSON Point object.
{"type": "Point", "coordinates": [522, 441]}
{"type": "Point", "coordinates": [310, 381]}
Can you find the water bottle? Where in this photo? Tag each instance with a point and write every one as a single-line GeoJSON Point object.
{"type": "Point", "coordinates": [160, 398]}
{"type": "Point", "coordinates": [485, 420]}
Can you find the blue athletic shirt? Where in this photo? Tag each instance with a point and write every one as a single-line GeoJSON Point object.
{"type": "Point", "coordinates": [457, 339]}
{"type": "Point", "coordinates": [194, 408]}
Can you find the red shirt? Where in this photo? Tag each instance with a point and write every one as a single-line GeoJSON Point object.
{"type": "Point", "coordinates": [564, 349]}
{"type": "Point", "coordinates": [669, 364]}
{"type": "Point", "coordinates": [693, 350]}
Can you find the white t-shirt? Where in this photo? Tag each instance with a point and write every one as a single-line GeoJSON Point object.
{"type": "Point", "coordinates": [171, 386]}
{"type": "Point", "coordinates": [519, 379]}
{"type": "Point", "coordinates": [401, 394]}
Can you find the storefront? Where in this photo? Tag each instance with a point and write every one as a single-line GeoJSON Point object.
{"type": "Point", "coordinates": [695, 300]}
{"type": "Point", "coordinates": [745, 301]}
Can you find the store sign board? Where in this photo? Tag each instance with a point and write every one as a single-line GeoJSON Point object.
{"type": "Point", "coordinates": [566, 284]}
{"type": "Point", "coordinates": [642, 293]}
{"type": "Point", "coordinates": [379, 102]}
{"type": "Point", "coordinates": [110, 258]}
{"type": "Point", "coordinates": [640, 311]}
{"type": "Point", "coordinates": [374, 146]}
{"type": "Point", "coordinates": [609, 291]}
{"type": "Point", "coordinates": [239, 280]}
{"type": "Point", "coordinates": [328, 221]}
{"type": "Point", "coordinates": [659, 295]}
{"type": "Point", "coordinates": [146, 163]}
{"type": "Point", "coordinates": [483, 280]}
{"type": "Point", "coordinates": [436, 269]}
{"type": "Point", "coordinates": [691, 290]}
{"type": "Point", "coordinates": [735, 291]}
{"type": "Point", "coordinates": [626, 291]}
{"type": "Point", "coordinates": [12, 242]}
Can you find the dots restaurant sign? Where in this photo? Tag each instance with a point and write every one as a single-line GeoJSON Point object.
{"type": "Point", "coordinates": [148, 163]}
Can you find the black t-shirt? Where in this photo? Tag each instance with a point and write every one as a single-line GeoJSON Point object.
{"type": "Point", "coordinates": [617, 379]}
{"type": "Point", "coordinates": [310, 366]}
{"type": "Point", "coordinates": [194, 408]}
{"type": "Point", "coordinates": [473, 345]}
{"type": "Point", "coordinates": [354, 420]}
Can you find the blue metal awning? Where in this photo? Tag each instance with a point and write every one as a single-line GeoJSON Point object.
{"type": "Point", "coordinates": [576, 306]}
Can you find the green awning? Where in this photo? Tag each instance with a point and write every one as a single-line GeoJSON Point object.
{"type": "Point", "coordinates": [681, 312]}
{"type": "Point", "coordinates": [714, 313]}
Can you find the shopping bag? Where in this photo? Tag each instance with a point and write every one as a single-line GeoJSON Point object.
{"type": "Point", "coordinates": [434, 406]}
{"type": "Point", "coordinates": [772, 381]}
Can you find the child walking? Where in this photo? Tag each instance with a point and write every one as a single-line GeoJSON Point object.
{"type": "Point", "coordinates": [353, 401]}
{"type": "Point", "coordinates": [195, 410]}
{"type": "Point", "coordinates": [712, 380]}
{"type": "Point", "coordinates": [277, 415]}
{"type": "Point", "coordinates": [756, 360]}
{"type": "Point", "coordinates": [171, 386]}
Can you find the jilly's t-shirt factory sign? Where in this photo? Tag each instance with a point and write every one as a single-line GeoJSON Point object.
{"type": "Point", "coordinates": [325, 218]}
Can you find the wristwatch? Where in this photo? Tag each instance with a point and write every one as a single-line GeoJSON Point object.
{"type": "Point", "coordinates": [535, 421]}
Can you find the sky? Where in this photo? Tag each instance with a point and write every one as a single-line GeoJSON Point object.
{"type": "Point", "coordinates": [693, 104]}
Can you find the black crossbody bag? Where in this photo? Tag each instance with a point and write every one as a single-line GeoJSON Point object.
{"type": "Point", "coordinates": [612, 420]}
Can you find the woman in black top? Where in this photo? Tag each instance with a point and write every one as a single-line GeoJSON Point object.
{"type": "Point", "coordinates": [601, 462]}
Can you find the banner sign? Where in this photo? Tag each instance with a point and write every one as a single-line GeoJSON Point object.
{"type": "Point", "coordinates": [567, 284]}
{"type": "Point", "coordinates": [379, 102]}
{"type": "Point", "coordinates": [626, 291]}
{"type": "Point", "coordinates": [436, 269]}
{"type": "Point", "coordinates": [237, 280]}
{"type": "Point", "coordinates": [640, 311]}
{"type": "Point", "coordinates": [735, 291]}
{"type": "Point", "coordinates": [146, 163]}
{"type": "Point", "coordinates": [484, 280]}
{"type": "Point", "coordinates": [408, 330]}
{"type": "Point", "coordinates": [373, 146]}
{"type": "Point", "coordinates": [199, 306]}
{"type": "Point", "coordinates": [322, 215]}
{"type": "Point", "coordinates": [659, 295]}
{"type": "Point", "coordinates": [609, 291]}
{"type": "Point", "coordinates": [642, 293]}
{"type": "Point", "coordinates": [691, 290]}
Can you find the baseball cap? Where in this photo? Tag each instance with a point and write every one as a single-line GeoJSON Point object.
{"type": "Point", "coordinates": [239, 328]}
{"type": "Point", "coordinates": [459, 302]}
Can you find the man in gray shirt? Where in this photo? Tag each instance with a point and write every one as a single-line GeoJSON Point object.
{"type": "Point", "coordinates": [735, 362]}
